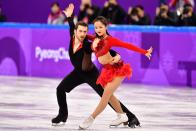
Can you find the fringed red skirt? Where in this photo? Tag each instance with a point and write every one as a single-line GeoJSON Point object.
{"type": "Point", "coordinates": [109, 72]}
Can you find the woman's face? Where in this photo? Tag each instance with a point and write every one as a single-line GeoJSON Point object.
{"type": "Point", "coordinates": [100, 28]}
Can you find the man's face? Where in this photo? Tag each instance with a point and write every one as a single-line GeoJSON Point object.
{"type": "Point", "coordinates": [140, 12]}
{"type": "Point", "coordinates": [55, 9]}
{"type": "Point", "coordinates": [81, 32]}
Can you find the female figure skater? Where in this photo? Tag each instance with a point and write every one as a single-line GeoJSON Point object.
{"type": "Point", "coordinates": [112, 74]}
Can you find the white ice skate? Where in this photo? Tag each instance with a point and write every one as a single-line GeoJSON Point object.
{"type": "Point", "coordinates": [121, 118]}
{"type": "Point", "coordinates": [86, 123]}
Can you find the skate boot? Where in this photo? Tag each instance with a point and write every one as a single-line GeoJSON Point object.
{"type": "Point", "coordinates": [133, 121]}
{"type": "Point", "coordinates": [121, 118]}
{"type": "Point", "coordinates": [59, 120]}
{"type": "Point", "coordinates": [86, 123]}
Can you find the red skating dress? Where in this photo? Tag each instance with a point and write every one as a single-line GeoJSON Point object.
{"type": "Point", "coordinates": [109, 71]}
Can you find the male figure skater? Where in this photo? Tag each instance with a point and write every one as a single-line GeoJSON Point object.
{"type": "Point", "coordinates": [84, 70]}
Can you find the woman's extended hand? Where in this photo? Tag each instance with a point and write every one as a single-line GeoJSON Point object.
{"type": "Point", "coordinates": [149, 53]}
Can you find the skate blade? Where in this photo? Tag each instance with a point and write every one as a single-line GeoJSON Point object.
{"type": "Point", "coordinates": [139, 125]}
{"type": "Point", "coordinates": [58, 124]}
{"type": "Point", "coordinates": [115, 126]}
{"type": "Point", "coordinates": [80, 128]}
{"type": "Point", "coordinates": [134, 125]}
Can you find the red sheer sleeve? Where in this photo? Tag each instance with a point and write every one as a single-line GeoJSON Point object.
{"type": "Point", "coordinates": [115, 42]}
{"type": "Point", "coordinates": [91, 37]}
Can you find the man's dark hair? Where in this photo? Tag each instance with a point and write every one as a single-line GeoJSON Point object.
{"type": "Point", "coordinates": [134, 11]}
{"type": "Point", "coordinates": [163, 3]}
{"type": "Point", "coordinates": [81, 23]}
{"type": "Point", "coordinates": [186, 8]}
{"type": "Point", "coordinates": [140, 7]}
{"type": "Point", "coordinates": [55, 3]}
{"type": "Point", "coordinates": [187, 5]}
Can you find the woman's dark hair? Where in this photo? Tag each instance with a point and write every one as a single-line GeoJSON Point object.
{"type": "Point", "coordinates": [104, 21]}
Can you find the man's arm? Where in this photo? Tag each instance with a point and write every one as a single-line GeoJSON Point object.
{"type": "Point", "coordinates": [69, 14]}
{"type": "Point", "coordinates": [71, 25]}
{"type": "Point", "coordinates": [115, 55]}
{"type": "Point", "coordinates": [112, 52]}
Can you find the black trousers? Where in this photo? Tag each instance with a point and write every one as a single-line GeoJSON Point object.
{"type": "Point", "coordinates": [76, 78]}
